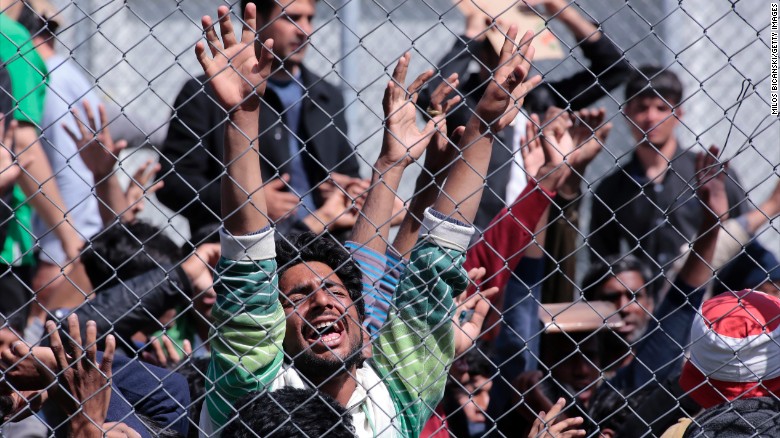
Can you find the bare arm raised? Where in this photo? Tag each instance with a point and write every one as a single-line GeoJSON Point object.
{"type": "Point", "coordinates": [498, 107]}
{"type": "Point", "coordinates": [239, 77]}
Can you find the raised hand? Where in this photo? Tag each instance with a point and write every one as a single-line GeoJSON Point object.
{"type": "Point", "coordinates": [471, 312]}
{"type": "Point", "coordinates": [547, 425]}
{"type": "Point", "coordinates": [96, 146]}
{"type": "Point", "coordinates": [84, 389]}
{"type": "Point", "coordinates": [711, 184]}
{"type": "Point", "coordinates": [236, 73]}
{"type": "Point", "coordinates": [505, 94]}
{"type": "Point", "coordinates": [404, 142]}
{"type": "Point", "coordinates": [166, 353]}
{"type": "Point", "coordinates": [555, 145]}
{"type": "Point", "coordinates": [589, 133]}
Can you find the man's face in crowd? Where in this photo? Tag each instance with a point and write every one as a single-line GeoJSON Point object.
{"type": "Point", "coordinates": [323, 332]}
{"type": "Point", "coordinates": [653, 117]}
{"type": "Point", "coordinates": [289, 24]}
{"type": "Point", "coordinates": [474, 398]}
{"type": "Point", "coordinates": [575, 365]}
{"type": "Point", "coordinates": [627, 291]}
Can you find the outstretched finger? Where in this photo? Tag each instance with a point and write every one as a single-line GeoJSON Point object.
{"type": "Point", "coordinates": [414, 88]}
{"type": "Point", "coordinates": [508, 49]}
{"type": "Point", "coordinates": [555, 410]}
{"type": "Point", "coordinates": [211, 35]}
{"type": "Point", "coordinates": [205, 62]}
{"type": "Point", "coordinates": [563, 425]}
{"type": "Point", "coordinates": [103, 120]}
{"type": "Point", "coordinates": [108, 356]}
{"type": "Point", "coordinates": [91, 344]}
{"type": "Point", "coordinates": [226, 27]}
{"type": "Point", "coordinates": [173, 352]}
{"type": "Point", "coordinates": [82, 127]}
{"type": "Point", "coordinates": [90, 115]}
{"type": "Point", "coordinates": [250, 23]}
{"type": "Point", "coordinates": [74, 332]}
{"type": "Point", "coordinates": [55, 343]}
{"type": "Point", "coordinates": [265, 57]}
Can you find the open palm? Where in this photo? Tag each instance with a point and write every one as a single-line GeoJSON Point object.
{"type": "Point", "coordinates": [404, 141]}
{"type": "Point", "coordinates": [236, 73]}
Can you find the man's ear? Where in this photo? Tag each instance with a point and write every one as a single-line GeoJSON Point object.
{"type": "Point", "coordinates": [607, 433]}
{"type": "Point", "coordinates": [679, 112]}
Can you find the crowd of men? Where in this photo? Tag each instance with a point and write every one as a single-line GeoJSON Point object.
{"type": "Point", "coordinates": [292, 313]}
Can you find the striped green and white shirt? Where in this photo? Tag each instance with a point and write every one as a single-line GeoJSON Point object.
{"type": "Point", "coordinates": [402, 383]}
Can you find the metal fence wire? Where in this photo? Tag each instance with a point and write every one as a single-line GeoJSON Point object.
{"type": "Point", "coordinates": [302, 218]}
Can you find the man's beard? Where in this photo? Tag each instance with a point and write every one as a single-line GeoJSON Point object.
{"type": "Point", "coordinates": [318, 368]}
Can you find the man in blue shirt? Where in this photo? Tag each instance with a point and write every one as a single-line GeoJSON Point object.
{"type": "Point", "coordinates": [303, 135]}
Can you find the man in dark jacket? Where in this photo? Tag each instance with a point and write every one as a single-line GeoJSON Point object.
{"type": "Point", "coordinates": [303, 133]}
{"type": "Point", "coordinates": [647, 206]}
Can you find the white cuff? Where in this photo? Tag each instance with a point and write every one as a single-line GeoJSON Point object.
{"type": "Point", "coordinates": [445, 233]}
{"type": "Point", "coordinates": [248, 248]}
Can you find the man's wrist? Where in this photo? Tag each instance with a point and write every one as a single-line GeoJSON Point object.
{"type": "Point", "coordinates": [386, 168]}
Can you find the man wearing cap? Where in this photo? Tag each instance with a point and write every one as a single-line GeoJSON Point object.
{"type": "Point", "coordinates": [734, 367]}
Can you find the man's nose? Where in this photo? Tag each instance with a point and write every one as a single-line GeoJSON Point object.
{"type": "Point", "coordinates": [322, 297]}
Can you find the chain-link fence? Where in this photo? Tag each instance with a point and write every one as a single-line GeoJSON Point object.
{"type": "Point", "coordinates": [339, 258]}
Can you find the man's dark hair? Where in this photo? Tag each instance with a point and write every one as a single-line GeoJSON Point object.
{"type": "Point", "coordinates": [123, 251]}
{"type": "Point", "coordinates": [264, 7]}
{"type": "Point", "coordinates": [36, 24]}
{"type": "Point", "coordinates": [310, 247]}
{"type": "Point", "coordinates": [654, 81]}
{"type": "Point", "coordinates": [601, 271]}
{"type": "Point", "coordinates": [289, 413]}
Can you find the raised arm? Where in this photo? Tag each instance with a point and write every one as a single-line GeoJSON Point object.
{"type": "Point", "coordinates": [249, 320]}
{"type": "Point", "coordinates": [403, 143]}
{"type": "Point", "coordinates": [499, 105]}
{"type": "Point", "coordinates": [239, 80]}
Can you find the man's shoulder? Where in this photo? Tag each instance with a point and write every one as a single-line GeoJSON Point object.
{"type": "Point", "coordinates": [318, 87]}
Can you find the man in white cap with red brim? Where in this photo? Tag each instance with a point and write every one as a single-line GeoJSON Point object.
{"type": "Point", "coordinates": [734, 367]}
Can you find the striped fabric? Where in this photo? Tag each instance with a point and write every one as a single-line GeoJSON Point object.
{"type": "Point", "coordinates": [412, 352]}
{"type": "Point", "coordinates": [381, 275]}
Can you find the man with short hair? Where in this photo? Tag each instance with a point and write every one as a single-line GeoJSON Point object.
{"type": "Point", "coordinates": [303, 133]}
{"type": "Point", "coordinates": [648, 205]}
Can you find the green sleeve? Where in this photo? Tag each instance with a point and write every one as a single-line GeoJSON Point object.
{"type": "Point", "coordinates": [27, 70]}
{"type": "Point", "coordinates": [246, 343]}
{"type": "Point", "coordinates": [416, 346]}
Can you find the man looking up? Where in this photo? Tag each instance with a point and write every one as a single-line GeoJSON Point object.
{"type": "Point", "coordinates": [309, 309]}
{"type": "Point", "coordinates": [302, 135]}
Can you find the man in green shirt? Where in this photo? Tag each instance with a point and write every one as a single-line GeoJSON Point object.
{"type": "Point", "coordinates": [36, 185]}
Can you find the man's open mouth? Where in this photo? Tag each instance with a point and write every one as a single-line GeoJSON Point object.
{"type": "Point", "coordinates": [324, 331]}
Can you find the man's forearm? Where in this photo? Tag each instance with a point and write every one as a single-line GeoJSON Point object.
{"type": "Point", "coordinates": [462, 191]}
{"type": "Point", "coordinates": [243, 200]}
{"type": "Point", "coordinates": [38, 183]}
{"type": "Point", "coordinates": [111, 199]}
{"type": "Point", "coordinates": [373, 226]}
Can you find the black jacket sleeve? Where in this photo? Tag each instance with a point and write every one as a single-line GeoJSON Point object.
{"type": "Point", "coordinates": [604, 237]}
{"type": "Point", "coordinates": [134, 305]}
{"type": "Point", "coordinates": [192, 155]}
{"type": "Point", "coordinates": [607, 70]}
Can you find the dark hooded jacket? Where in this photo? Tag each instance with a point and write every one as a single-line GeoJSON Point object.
{"type": "Point", "coordinates": [750, 417]}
